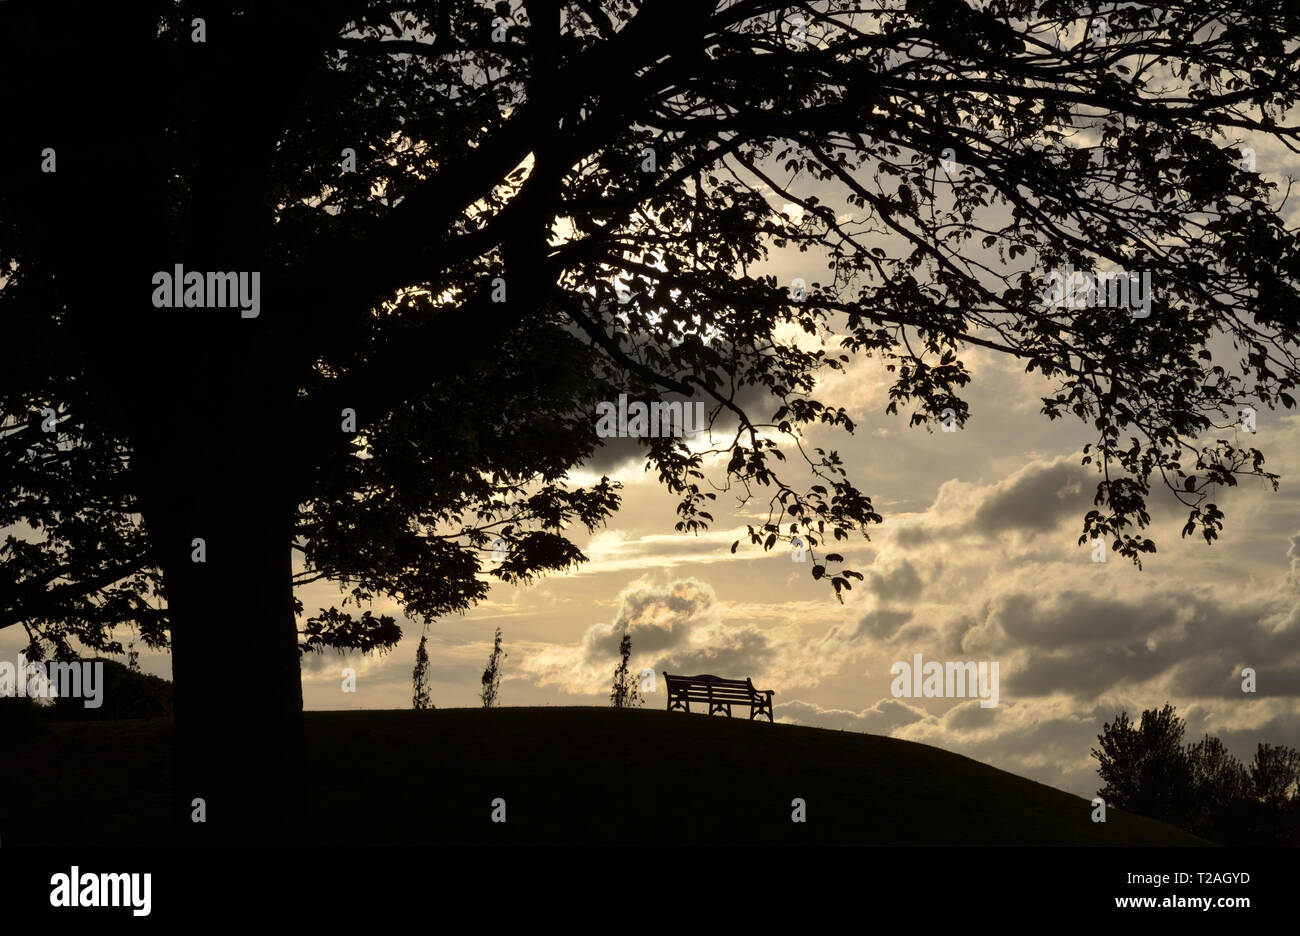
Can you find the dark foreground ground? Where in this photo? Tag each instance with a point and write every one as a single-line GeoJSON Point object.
{"type": "Point", "coordinates": [568, 775]}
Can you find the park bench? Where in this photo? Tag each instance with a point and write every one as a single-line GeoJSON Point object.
{"type": "Point", "coordinates": [720, 694]}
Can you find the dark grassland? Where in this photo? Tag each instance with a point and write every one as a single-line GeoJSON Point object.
{"type": "Point", "coordinates": [568, 775]}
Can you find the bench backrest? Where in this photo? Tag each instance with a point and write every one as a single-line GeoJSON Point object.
{"type": "Point", "coordinates": [700, 688]}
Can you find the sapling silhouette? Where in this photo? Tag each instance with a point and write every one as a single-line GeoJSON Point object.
{"type": "Point", "coordinates": [419, 676]}
{"type": "Point", "coordinates": [625, 692]}
{"type": "Point", "coordinates": [492, 674]}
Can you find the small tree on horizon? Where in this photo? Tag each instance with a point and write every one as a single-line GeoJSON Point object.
{"type": "Point", "coordinates": [421, 675]}
{"type": "Point", "coordinates": [1275, 775]}
{"type": "Point", "coordinates": [625, 693]}
{"type": "Point", "coordinates": [1144, 767]}
{"type": "Point", "coordinates": [492, 675]}
{"type": "Point", "coordinates": [1219, 786]}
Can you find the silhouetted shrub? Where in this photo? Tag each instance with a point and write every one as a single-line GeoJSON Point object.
{"type": "Point", "coordinates": [124, 694]}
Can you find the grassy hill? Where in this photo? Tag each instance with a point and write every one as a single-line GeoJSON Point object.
{"type": "Point", "coordinates": [570, 775]}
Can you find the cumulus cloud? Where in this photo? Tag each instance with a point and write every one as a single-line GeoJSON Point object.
{"type": "Point", "coordinates": [896, 583]}
{"type": "Point", "coordinates": [1084, 644]}
{"type": "Point", "coordinates": [1035, 499]}
{"type": "Point", "coordinates": [680, 628]}
{"type": "Point", "coordinates": [882, 623]}
{"type": "Point", "coordinates": [1039, 498]}
{"type": "Point", "coordinates": [884, 717]}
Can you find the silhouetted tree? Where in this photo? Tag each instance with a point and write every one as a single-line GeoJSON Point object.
{"type": "Point", "coordinates": [625, 692]}
{"type": "Point", "coordinates": [1219, 784]}
{"type": "Point", "coordinates": [1144, 768]}
{"type": "Point", "coordinates": [1275, 775]}
{"type": "Point", "coordinates": [420, 676]}
{"type": "Point", "coordinates": [492, 674]}
{"type": "Point", "coordinates": [422, 370]}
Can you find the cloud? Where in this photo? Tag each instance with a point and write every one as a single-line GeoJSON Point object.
{"type": "Point", "coordinates": [1035, 499]}
{"type": "Point", "coordinates": [726, 652]}
{"type": "Point", "coordinates": [680, 627]}
{"type": "Point", "coordinates": [656, 617]}
{"type": "Point", "coordinates": [1195, 642]}
{"type": "Point", "coordinates": [882, 718]}
{"type": "Point", "coordinates": [882, 623]}
{"type": "Point", "coordinates": [897, 583]}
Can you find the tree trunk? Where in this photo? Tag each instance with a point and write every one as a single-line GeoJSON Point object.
{"type": "Point", "coordinates": [237, 683]}
{"type": "Point", "coordinates": [235, 661]}
{"type": "Point", "coordinates": [202, 394]}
